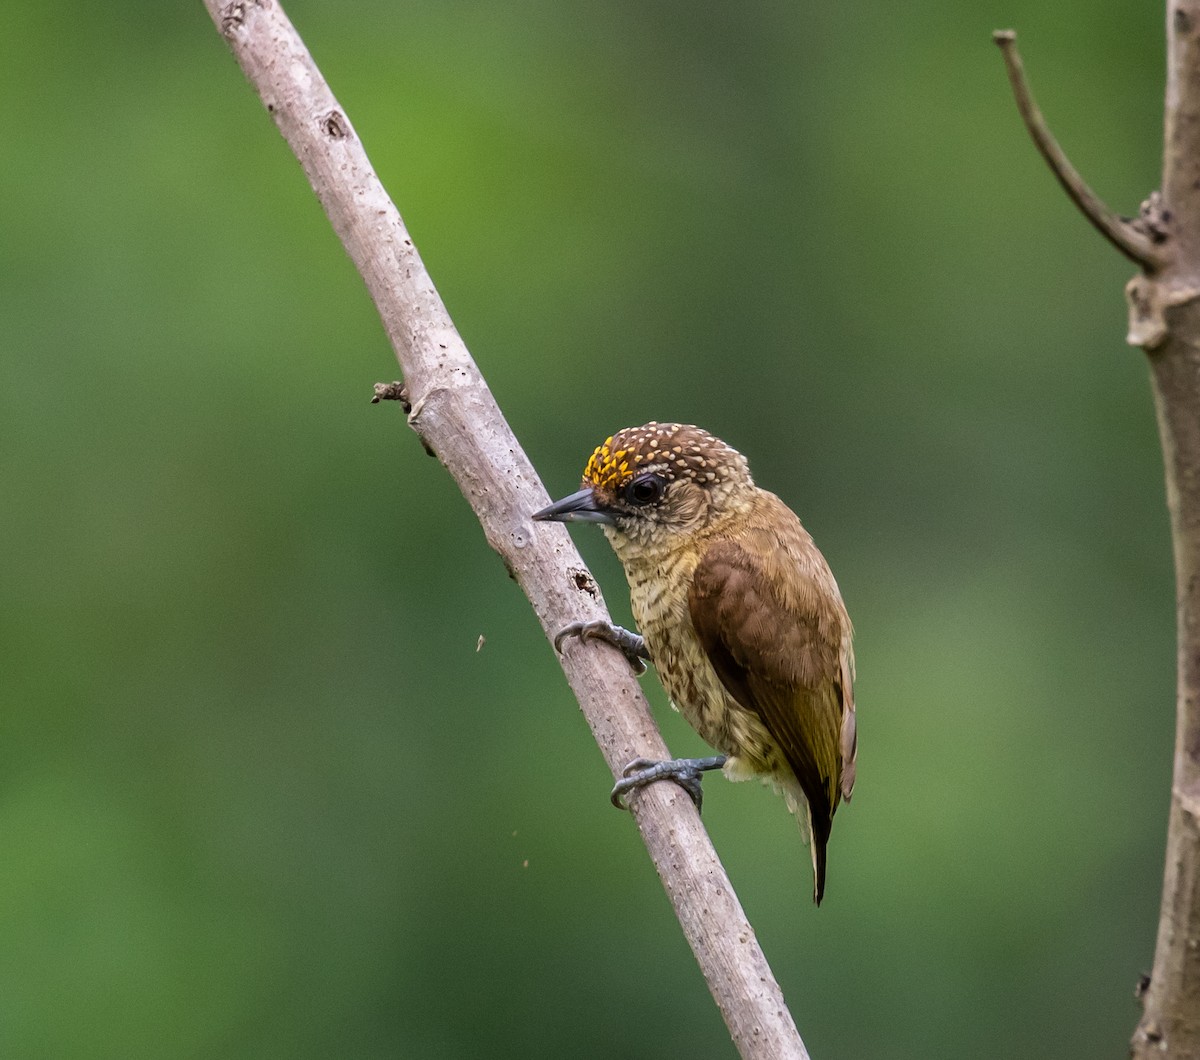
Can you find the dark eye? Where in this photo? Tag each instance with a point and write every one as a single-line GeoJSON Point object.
{"type": "Point", "coordinates": [645, 489]}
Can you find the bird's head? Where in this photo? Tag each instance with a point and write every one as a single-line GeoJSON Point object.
{"type": "Point", "coordinates": [651, 487]}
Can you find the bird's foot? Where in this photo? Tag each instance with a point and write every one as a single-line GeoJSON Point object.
{"type": "Point", "coordinates": [627, 643]}
{"type": "Point", "coordinates": [686, 772]}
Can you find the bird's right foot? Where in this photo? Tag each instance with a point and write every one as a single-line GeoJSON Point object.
{"type": "Point", "coordinates": [686, 772]}
{"type": "Point", "coordinates": [627, 643]}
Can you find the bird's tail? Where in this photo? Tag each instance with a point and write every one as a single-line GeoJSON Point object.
{"type": "Point", "coordinates": [819, 829]}
{"type": "Point", "coordinates": [816, 823]}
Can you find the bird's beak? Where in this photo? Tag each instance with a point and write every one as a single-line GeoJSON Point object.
{"type": "Point", "coordinates": [580, 507]}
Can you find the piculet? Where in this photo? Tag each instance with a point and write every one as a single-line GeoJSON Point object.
{"type": "Point", "coordinates": [739, 614]}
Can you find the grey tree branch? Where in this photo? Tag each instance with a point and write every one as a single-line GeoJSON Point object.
{"type": "Point", "coordinates": [1170, 1023]}
{"type": "Point", "coordinates": [457, 419]}
{"type": "Point", "coordinates": [1164, 305]}
{"type": "Point", "coordinates": [1122, 234]}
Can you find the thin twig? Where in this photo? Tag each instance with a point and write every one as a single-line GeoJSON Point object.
{"type": "Point", "coordinates": [457, 419]}
{"type": "Point", "coordinates": [1119, 232]}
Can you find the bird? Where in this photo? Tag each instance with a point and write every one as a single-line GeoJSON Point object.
{"type": "Point", "coordinates": [738, 612]}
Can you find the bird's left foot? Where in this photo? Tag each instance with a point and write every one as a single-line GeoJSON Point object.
{"type": "Point", "coordinates": [627, 643]}
{"type": "Point", "coordinates": [686, 772]}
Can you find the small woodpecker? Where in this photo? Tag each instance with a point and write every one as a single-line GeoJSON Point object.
{"type": "Point", "coordinates": [740, 615]}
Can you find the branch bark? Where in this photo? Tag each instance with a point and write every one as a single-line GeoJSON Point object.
{"type": "Point", "coordinates": [1164, 319]}
{"type": "Point", "coordinates": [1170, 1023]}
{"type": "Point", "coordinates": [457, 420]}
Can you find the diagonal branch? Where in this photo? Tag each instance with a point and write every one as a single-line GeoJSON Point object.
{"type": "Point", "coordinates": [457, 419]}
{"type": "Point", "coordinates": [1122, 234]}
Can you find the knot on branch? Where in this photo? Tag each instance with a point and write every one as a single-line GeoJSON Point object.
{"type": "Point", "coordinates": [335, 126]}
{"type": "Point", "coordinates": [1141, 986]}
{"type": "Point", "coordinates": [1189, 802]}
{"type": "Point", "coordinates": [1149, 299]}
{"type": "Point", "coordinates": [233, 16]}
{"type": "Point", "coordinates": [1153, 219]}
{"type": "Point", "coordinates": [396, 391]}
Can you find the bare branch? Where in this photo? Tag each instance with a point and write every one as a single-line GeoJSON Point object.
{"type": "Point", "coordinates": [1122, 234]}
{"type": "Point", "coordinates": [1165, 313]}
{"type": "Point", "coordinates": [1164, 319]}
{"type": "Point", "coordinates": [1170, 1023]}
{"type": "Point", "coordinates": [457, 419]}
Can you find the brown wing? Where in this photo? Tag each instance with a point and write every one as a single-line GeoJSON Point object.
{"type": "Point", "coordinates": [767, 612]}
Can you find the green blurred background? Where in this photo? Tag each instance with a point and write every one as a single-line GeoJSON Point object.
{"type": "Point", "coordinates": [260, 795]}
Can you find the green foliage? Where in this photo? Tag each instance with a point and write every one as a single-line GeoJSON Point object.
{"type": "Point", "coordinates": [261, 795]}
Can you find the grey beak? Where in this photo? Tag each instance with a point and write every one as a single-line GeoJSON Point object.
{"type": "Point", "coordinates": [580, 507]}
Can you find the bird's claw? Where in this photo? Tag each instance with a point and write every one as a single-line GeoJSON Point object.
{"type": "Point", "coordinates": [626, 642]}
{"type": "Point", "coordinates": [686, 772]}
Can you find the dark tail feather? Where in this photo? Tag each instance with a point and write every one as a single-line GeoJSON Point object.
{"type": "Point", "coordinates": [821, 827]}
